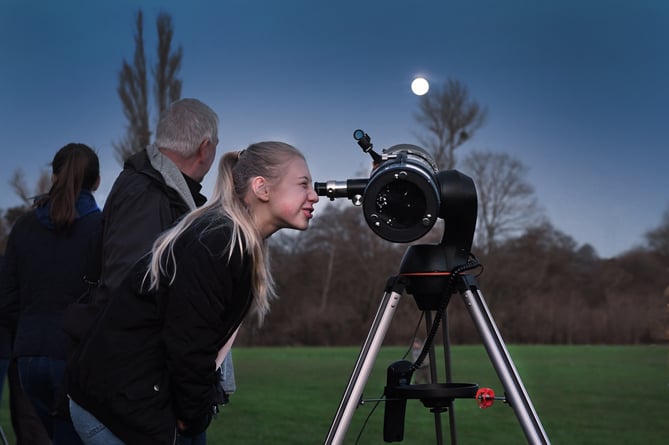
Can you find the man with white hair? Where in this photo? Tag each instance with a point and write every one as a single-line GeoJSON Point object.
{"type": "Point", "coordinates": [156, 187]}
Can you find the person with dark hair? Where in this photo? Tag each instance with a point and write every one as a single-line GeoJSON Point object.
{"type": "Point", "coordinates": [148, 369]}
{"type": "Point", "coordinates": [43, 272]}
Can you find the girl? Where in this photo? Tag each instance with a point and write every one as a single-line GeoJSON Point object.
{"type": "Point", "coordinates": [46, 259]}
{"type": "Point", "coordinates": [150, 366]}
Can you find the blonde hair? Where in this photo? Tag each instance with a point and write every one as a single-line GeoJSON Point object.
{"type": "Point", "coordinates": [235, 172]}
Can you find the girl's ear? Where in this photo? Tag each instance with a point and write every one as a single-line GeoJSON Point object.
{"type": "Point", "coordinates": [260, 188]}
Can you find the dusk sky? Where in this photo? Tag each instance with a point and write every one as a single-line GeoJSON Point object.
{"type": "Point", "coordinates": [578, 90]}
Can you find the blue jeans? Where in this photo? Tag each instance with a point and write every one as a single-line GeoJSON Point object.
{"type": "Point", "coordinates": [200, 439]}
{"type": "Point", "coordinates": [41, 378]}
{"type": "Point", "coordinates": [93, 432]}
{"type": "Point", "coordinates": [90, 429]}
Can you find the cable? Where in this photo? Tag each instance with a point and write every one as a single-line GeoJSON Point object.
{"type": "Point", "coordinates": [472, 263]}
{"type": "Point", "coordinates": [364, 424]}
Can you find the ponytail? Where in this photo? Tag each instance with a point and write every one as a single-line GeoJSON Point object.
{"type": "Point", "coordinates": [75, 167]}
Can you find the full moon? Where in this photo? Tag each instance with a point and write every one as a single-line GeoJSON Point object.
{"type": "Point", "coordinates": [419, 86]}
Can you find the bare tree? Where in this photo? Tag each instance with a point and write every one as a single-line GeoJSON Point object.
{"type": "Point", "coordinates": [132, 91]}
{"type": "Point", "coordinates": [18, 183]}
{"type": "Point", "coordinates": [133, 85]}
{"type": "Point", "coordinates": [451, 118]}
{"type": "Point", "coordinates": [20, 187]}
{"type": "Point", "coordinates": [506, 201]}
{"type": "Point", "coordinates": [658, 238]}
{"type": "Point", "coordinates": [167, 87]}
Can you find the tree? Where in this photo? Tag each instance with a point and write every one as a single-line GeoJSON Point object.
{"type": "Point", "coordinates": [132, 91]}
{"type": "Point", "coordinates": [506, 201]}
{"type": "Point", "coordinates": [451, 118]}
{"type": "Point", "coordinates": [18, 184]}
{"type": "Point", "coordinates": [167, 86]}
{"type": "Point", "coordinates": [133, 85]}
{"type": "Point", "coordinates": [658, 238]}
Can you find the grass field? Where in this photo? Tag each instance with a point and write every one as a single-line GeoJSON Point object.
{"type": "Point", "coordinates": [582, 394]}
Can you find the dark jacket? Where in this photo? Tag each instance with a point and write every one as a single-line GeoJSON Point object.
{"type": "Point", "coordinates": [42, 274]}
{"type": "Point", "coordinates": [151, 357]}
{"type": "Point", "coordinates": [139, 207]}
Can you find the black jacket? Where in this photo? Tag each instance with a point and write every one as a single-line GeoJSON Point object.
{"type": "Point", "coordinates": [139, 207]}
{"type": "Point", "coordinates": [42, 273]}
{"type": "Point", "coordinates": [151, 357]}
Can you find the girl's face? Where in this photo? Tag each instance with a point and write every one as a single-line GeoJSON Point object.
{"type": "Point", "coordinates": [292, 198]}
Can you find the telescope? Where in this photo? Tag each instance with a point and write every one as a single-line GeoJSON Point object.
{"type": "Point", "coordinates": [406, 194]}
{"type": "Point", "coordinates": [401, 201]}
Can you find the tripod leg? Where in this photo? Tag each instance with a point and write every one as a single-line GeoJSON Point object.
{"type": "Point", "coordinates": [438, 429]}
{"type": "Point", "coordinates": [365, 361]}
{"type": "Point", "coordinates": [449, 377]}
{"type": "Point", "coordinates": [501, 360]}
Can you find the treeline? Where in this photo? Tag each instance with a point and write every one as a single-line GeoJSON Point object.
{"type": "Point", "coordinates": [541, 287]}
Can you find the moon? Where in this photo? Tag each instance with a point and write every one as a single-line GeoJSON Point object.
{"type": "Point", "coordinates": [420, 86]}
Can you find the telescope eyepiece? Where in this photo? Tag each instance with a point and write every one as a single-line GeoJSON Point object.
{"type": "Point", "coordinates": [352, 189]}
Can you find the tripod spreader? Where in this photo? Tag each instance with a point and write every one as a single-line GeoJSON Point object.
{"type": "Point", "coordinates": [436, 396]}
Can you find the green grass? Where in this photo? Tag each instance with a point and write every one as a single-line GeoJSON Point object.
{"type": "Point", "coordinates": [582, 394]}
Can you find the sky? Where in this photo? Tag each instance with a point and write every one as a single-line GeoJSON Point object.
{"type": "Point", "coordinates": [577, 90]}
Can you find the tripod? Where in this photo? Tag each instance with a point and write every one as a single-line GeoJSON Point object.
{"type": "Point", "coordinates": [431, 273]}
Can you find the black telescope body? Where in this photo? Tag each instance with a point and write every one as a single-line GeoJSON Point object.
{"type": "Point", "coordinates": [405, 194]}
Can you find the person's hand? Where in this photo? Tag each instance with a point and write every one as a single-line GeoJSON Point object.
{"type": "Point", "coordinates": [180, 425]}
